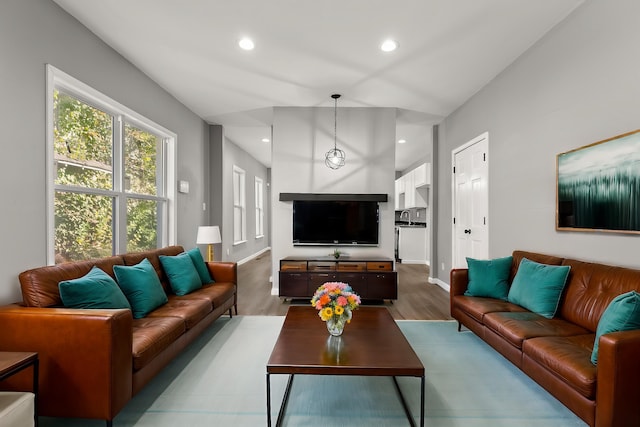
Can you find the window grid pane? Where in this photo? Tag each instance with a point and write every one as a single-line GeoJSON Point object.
{"type": "Point", "coordinates": [239, 206]}
{"type": "Point", "coordinates": [237, 224]}
{"type": "Point", "coordinates": [142, 224]}
{"type": "Point", "coordinates": [83, 143]}
{"type": "Point", "coordinates": [259, 207]}
{"type": "Point", "coordinates": [142, 153]}
{"type": "Point", "coordinates": [83, 226]}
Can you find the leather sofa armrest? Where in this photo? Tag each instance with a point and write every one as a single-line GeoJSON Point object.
{"type": "Point", "coordinates": [223, 271]}
{"type": "Point", "coordinates": [459, 279]}
{"type": "Point", "coordinates": [85, 357]}
{"type": "Point", "coordinates": [618, 393]}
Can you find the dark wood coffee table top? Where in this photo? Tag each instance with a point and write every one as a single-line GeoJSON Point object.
{"type": "Point", "coordinates": [371, 345]}
{"type": "Point", "coordinates": [13, 361]}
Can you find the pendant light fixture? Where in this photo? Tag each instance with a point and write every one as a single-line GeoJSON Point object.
{"type": "Point", "coordinates": [334, 158]}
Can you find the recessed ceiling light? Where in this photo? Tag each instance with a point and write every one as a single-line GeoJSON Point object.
{"type": "Point", "coordinates": [389, 45]}
{"type": "Point", "coordinates": [246, 43]}
{"type": "Point", "coordinates": [266, 140]}
{"type": "Point", "coordinates": [402, 141]}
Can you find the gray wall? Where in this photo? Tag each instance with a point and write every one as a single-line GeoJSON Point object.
{"type": "Point", "coordinates": [216, 172]}
{"type": "Point", "coordinates": [32, 34]}
{"type": "Point", "coordinates": [576, 86]}
{"type": "Point", "coordinates": [301, 137]}
{"type": "Point", "coordinates": [234, 155]}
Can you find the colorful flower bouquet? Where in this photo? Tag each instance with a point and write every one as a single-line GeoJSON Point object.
{"type": "Point", "coordinates": [335, 301]}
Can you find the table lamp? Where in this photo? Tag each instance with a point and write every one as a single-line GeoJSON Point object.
{"type": "Point", "coordinates": [208, 235]}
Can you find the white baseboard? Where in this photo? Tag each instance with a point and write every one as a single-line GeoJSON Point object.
{"type": "Point", "coordinates": [257, 254]}
{"type": "Point", "coordinates": [440, 283]}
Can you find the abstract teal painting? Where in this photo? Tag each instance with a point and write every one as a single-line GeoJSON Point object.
{"type": "Point", "coordinates": [598, 186]}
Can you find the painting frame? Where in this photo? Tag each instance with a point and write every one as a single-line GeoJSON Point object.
{"type": "Point", "coordinates": [598, 186]}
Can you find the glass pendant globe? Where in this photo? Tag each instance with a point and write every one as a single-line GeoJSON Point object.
{"type": "Point", "coordinates": [334, 158]}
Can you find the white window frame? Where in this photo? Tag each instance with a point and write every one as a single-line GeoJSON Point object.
{"type": "Point", "coordinates": [259, 200]}
{"type": "Point", "coordinates": [239, 206]}
{"type": "Point", "coordinates": [59, 80]}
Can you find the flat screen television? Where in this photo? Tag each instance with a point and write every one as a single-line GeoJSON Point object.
{"type": "Point", "coordinates": [335, 222]}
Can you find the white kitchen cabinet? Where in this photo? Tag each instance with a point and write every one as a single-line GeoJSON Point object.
{"type": "Point", "coordinates": [422, 175]}
{"type": "Point", "coordinates": [412, 188]}
{"type": "Point", "coordinates": [409, 191]}
{"type": "Point", "coordinates": [400, 188]}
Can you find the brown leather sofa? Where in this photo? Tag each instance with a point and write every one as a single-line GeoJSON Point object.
{"type": "Point", "coordinates": [556, 353]}
{"type": "Point", "coordinates": [93, 361]}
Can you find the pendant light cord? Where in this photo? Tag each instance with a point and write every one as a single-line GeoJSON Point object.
{"type": "Point", "coordinates": [335, 120]}
{"type": "Point", "coordinates": [334, 159]}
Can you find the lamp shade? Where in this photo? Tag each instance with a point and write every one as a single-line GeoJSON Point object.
{"type": "Point", "coordinates": [208, 234]}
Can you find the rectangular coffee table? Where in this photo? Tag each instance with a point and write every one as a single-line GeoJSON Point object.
{"type": "Point", "coordinates": [373, 346]}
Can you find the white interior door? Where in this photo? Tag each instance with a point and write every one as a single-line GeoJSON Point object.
{"type": "Point", "coordinates": [471, 201]}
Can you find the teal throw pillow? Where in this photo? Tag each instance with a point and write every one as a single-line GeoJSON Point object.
{"type": "Point", "coordinates": [538, 287]}
{"type": "Point", "coordinates": [201, 267]}
{"type": "Point", "coordinates": [96, 289]}
{"type": "Point", "coordinates": [489, 278]}
{"type": "Point", "coordinates": [622, 314]}
{"type": "Point", "coordinates": [141, 286]}
{"type": "Point", "coordinates": [182, 274]}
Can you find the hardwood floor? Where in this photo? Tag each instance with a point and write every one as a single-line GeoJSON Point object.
{"type": "Point", "coordinates": [417, 298]}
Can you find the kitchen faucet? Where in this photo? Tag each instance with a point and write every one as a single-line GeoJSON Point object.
{"type": "Point", "coordinates": [408, 215]}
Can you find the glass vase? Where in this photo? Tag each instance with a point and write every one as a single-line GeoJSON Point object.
{"type": "Point", "coordinates": [335, 324]}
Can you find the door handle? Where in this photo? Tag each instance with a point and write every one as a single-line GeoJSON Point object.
{"type": "Point", "coordinates": [467, 231]}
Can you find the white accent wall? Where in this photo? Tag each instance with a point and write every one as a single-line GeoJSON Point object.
{"type": "Point", "coordinates": [301, 137]}
{"type": "Point", "coordinates": [578, 85]}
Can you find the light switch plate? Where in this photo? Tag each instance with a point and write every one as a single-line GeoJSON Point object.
{"type": "Point", "coordinates": [183, 186]}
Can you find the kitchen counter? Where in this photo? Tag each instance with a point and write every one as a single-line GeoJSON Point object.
{"type": "Point", "coordinates": [412, 225]}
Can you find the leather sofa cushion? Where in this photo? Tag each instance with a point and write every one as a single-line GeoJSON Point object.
{"type": "Point", "coordinates": [216, 293]}
{"type": "Point", "coordinates": [477, 307]}
{"type": "Point", "coordinates": [152, 335]}
{"type": "Point", "coordinates": [190, 311]}
{"type": "Point", "coordinates": [516, 327]}
{"type": "Point", "coordinates": [568, 358]}
{"type": "Point", "coordinates": [590, 289]}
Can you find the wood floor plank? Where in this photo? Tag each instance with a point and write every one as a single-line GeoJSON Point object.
{"type": "Point", "coordinates": [417, 298]}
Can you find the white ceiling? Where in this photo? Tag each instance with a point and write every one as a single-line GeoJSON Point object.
{"type": "Point", "coordinates": [307, 50]}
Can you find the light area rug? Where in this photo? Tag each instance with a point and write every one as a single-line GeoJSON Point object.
{"type": "Point", "coordinates": [220, 380]}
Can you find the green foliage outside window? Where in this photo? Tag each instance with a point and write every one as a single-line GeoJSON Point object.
{"type": "Point", "coordinates": [141, 159]}
{"type": "Point", "coordinates": [141, 225]}
{"type": "Point", "coordinates": [83, 151]}
{"type": "Point", "coordinates": [83, 226]}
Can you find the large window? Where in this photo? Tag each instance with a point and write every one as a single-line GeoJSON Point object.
{"type": "Point", "coordinates": [110, 174]}
{"type": "Point", "coordinates": [259, 185]}
{"type": "Point", "coordinates": [239, 206]}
